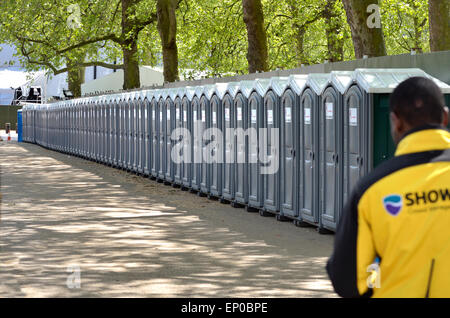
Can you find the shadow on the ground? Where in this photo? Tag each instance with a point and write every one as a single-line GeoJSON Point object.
{"type": "Point", "coordinates": [130, 239]}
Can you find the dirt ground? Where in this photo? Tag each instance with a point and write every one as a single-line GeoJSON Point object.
{"type": "Point", "coordinates": [132, 237]}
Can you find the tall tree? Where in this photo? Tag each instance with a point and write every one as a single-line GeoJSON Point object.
{"type": "Point", "coordinates": [257, 54]}
{"type": "Point", "coordinates": [334, 28]}
{"type": "Point", "coordinates": [439, 11]}
{"type": "Point", "coordinates": [167, 27]}
{"type": "Point", "coordinates": [365, 24]}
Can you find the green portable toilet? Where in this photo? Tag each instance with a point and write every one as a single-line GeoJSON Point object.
{"type": "Point", "coordinates": [367, 134]}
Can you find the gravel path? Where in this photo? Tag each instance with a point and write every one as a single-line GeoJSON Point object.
{"type": "Point", "coordinates": [132, 237]}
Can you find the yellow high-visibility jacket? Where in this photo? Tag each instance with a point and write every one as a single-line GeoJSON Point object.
{"type": "Point", "coordinates": [399, 214]}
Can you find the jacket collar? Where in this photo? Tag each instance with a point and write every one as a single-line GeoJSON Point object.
{"type": "Point", "coordinates": [424, 138]}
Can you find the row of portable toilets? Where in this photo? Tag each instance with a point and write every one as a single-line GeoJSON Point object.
{"type": "Point", "coordinates": [332, 129]}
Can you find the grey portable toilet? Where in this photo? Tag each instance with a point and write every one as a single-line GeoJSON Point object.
{"type": "Point", "coordinates": [91, 128]}
{"type": "Point", "coordinates": [197, 139]}
{"type": "Point", "coordinates": [255, 116]}
{"type": "Point", "coordinates": [135, 131]}
{"type": "Point", "coordinates": [87, 127]}
{"type": "Point", "coordinates": [308, 200]}
{"type": "Point", "coordinates": [118, 130]}
{"type": "Point", "coordinates": [217, 152]}
{"type": "Point", "coordinates": [331, 151]}
{"type": "Point", "coordinates": [148, 140]}
{"type": "Point", "coordinates": [228, 141]}
{"type": "Point", "coordinates": [272, 101]}
{"type": "Point", "coordinates": [240, 144]}
{"type": "Point", "coordinates": [103, 142]}
{"type": "Point", "coordinates": [111, 101]}
{"type": "Point", "coordinates": [155, 122]}
{"type": "Point", "coordinates": [289, 149]}
{"type": "Point", "coordinates": [144, 138]}
{"type": "Point", "coordinates": [97, 127]}
{"type": "Point", "coordinates": [132, 132]}
{"type": "Point", "coordinates": [170, 124]}
{"type": "Point", "coordinates": [78, 126]}
{"type": "Point", "coordinates": [205, 167]}
{"type": "Point", "coordinates": [123, 131]}
{"type": "Point", "coordinates": [162, 135]}
{"type": "Point", "coordinates": [188, 157]}
{"type": "Point", "coordinates": [176, 140]}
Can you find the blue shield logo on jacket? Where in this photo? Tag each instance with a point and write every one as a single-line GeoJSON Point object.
{"type": "Point", "coordinates": [393, 204]}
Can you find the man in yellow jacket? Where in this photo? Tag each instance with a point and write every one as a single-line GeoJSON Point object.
{"type": "Point", "coordinates": [393, 239]}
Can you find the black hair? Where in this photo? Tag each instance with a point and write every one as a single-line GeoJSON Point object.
{"type": "Point", "coordinates": [418, 101]}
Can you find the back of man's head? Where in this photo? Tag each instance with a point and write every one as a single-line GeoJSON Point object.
{"type": "Point", "coordinates": [418, 101]}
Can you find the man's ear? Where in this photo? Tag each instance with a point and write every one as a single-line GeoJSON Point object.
{"type": "Point", "coordinates": [396, 123]}
{"type": "Point", "coordinates": [445, 119]}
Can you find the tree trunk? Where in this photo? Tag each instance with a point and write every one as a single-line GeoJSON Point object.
{"type": "Point", "coordinates": [167, 28]}
{"type": "Point", "coordinates": [439, 12]}
{"type": "Point", "coordinates": [333, 29]}
{"type": "Point", "coordinates": [366, 40]}
{"type": "Point", "coordinates": [257, 54]}
{"type": "Point", "coordinates": [129, 46]}
{"type": "Point", "coordinates": [299, 45]}
{"type": "Point", "coordinates": [299, 31]}
{"type": "Point", "coordinates": [75, 77]}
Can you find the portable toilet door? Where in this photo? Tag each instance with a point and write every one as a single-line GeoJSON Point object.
{"type": "Point", "coordinates": [123, 142]}
{"type": "Point", "coordinates": [169, 126]}
{"type": "Point", "coordinates": [147, 147]}
{"type": "Point", "coordinates": [88, 126]}
{"type": "Point", "coordinates": [131, 132]}
{"type": "Point", "coordinates": [154, 159]}
{"type": "Point", "coordinates": [136, 131]}
{"type": "Point", "coordinates": [255, 116]}
{"type": "Point", "coordinates": [83, 125]}
{"type": "Point", "coordinates": [101, 129]}
{"type": "Point", "coordinates": [197, 139]}
{"type": "Point", "coordinates": [76, 127]}
{"type": "Point", "coordinates": [187, 119]}
{"type": "Point", "coordinates": [162, 135]}
{"type": "Point", "coordinates": [289, 149]}
{"type": "Point", "coordinates": [126, 131]}
{"type": "Point", "coordinates": [331, 153]}
{"type": "Point", "coordinates": [272, 101]}
{"type": "Point", "coordinates": [111, 110]}
{"type": "Point", "coordinates": [308, 200]}
{"type": "Point", "coordinates": [107, 130]}
{"type": "Point", "coordinates": [177, 139]}
{"type": "Point", "coordinates": [67, 128]}
{"type": "Point", "coordinates": [93, 128]}
{"type": "Point", "coordinates": [228, 141]}
{"type": "Point", "coordinates": [205, 167]}
{"type": "Point", "coordinates": [240, 145]}
{"type": "Point", "coordinates": [96, 129]}
{"type": "Point", "coordinates": [215, 148]}
{"type": "Point", "coordinates": [118, 130]}
{"type": "Point", "coordinates": [143, 133]}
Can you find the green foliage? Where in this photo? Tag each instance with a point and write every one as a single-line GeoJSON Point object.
{"type": "Point", "coordinates": [405, 25]}
{"type": "Point", "coordinates": [212, 39]}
